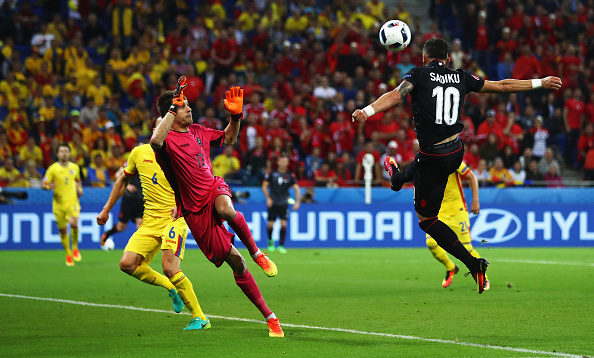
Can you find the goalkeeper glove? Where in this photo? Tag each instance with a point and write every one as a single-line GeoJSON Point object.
{"type": "Point", "coordinates": [234, 102]}
{"type": "Point", "coordinates": [178, 96]}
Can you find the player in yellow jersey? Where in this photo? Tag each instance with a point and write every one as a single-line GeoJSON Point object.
{"type": "Point", "coordinates": [63, 177]}
{"type": "Point", "coordinates": [157, 232]}
{"type": "Point", "coordinates": [454, 213]}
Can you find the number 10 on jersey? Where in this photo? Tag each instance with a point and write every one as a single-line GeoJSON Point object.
{"type": "Point", "coordinates": [446, 105]}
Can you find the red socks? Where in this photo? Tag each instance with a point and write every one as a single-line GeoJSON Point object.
{"type": "Point", "coordinates": [240, 226]}
{"type": "Point", "coordinates": [249, 287]}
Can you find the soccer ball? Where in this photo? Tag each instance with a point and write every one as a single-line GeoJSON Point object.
{"type": "Point", "coordinates": [108, 245]}
{"type": "Point", "coordinates": [395, 35]}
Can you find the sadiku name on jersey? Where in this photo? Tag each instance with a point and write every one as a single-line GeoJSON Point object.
{"type": "Point", "coordinates": [449, 78]}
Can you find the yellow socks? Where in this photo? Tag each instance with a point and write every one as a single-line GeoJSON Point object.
{"type": "Point", "coordinates": [440, 254]}
{"type": "Point", "coordinates": [66, 243]}
{"type": "Point", "coordinates": [74, 237]}
{"type": "Point", "coordinates": [146, 274]}
{"type": "Point", "coordinates": [185, 289]}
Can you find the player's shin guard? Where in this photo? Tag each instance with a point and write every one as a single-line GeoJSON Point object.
{"type": "Point", "coordinates": [65, 239]}
{"type": "Point", "coordinates": [448, 240]}
{"type": "Point", "coordinates": [185, 289]}
{"type": "Point", "coordinates": [74, 237]}
{"type": "Point", "coordinates": [440, 254]}
{"type": "Point", "coordinates": [248, 285]}
{"type": "Point", "coordinates": [146, 274]}
{"type": "Point", "coordinates": [240, 226]}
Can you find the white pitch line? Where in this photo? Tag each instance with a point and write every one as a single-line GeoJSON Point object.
{"type": "Point", "coordinates": [433, 340]}
{"type": "Point", "coordinates": [590, 264]}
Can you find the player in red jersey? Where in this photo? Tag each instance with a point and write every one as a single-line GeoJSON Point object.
{"type": "Point", "coordinates": [183, 151]}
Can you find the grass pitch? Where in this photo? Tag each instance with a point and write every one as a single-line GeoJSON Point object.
{"type": "Point", "coordinates": [331, 303]}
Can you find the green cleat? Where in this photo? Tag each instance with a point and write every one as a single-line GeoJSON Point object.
{"type": "Point", "coordinates": [281, 250]}
{"type": "Point", "coordinates": [197, 323]}
{"type": "Point", "coordinates": [178, 304]}
{"type": "Point", "coordinates": [271, 245]}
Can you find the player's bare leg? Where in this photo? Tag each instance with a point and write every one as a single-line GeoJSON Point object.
{"type": "Point", "coordinates": [133, 264]}
{"type": "Point", "coordinates": [74, 237]}
{"type": "Point", "coordinates": [246, 282]}
{"type": "Point", "coordinates": [185, 289]}
{"type": "Point", "coordinates": [224, 208]}
{"type": "Point", "coordinates": [448, 240]}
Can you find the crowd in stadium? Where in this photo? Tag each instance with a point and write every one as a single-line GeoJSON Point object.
{"type": "Point", "coordinates": [88, 73]}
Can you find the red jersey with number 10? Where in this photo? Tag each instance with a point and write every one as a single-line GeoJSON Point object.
{"type": "Point", "coordinates": [185, 160]}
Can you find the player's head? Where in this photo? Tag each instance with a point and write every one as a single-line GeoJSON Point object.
{"type": "Point", "coordinates": [184, 114]}
{"type": "Point", "coordinates": [436, 49]}
{"type": "Point", "coordinates": [283, 161]}
{"type": "Point", "coordinates": [63, 152]}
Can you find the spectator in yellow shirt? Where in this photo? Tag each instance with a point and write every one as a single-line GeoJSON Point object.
{"type": "Point", "coordinates": [33, 62]}
{"type": "Point", "coordinates": [296, 23]}
{"type": "Point", "coordinates": [30, 152]}
{"type": "Point", "coordinates": [225, 164]}
{"type": "Point", "coordinates": [499, 174]}
{"type": "Point", "coordinates": [97, 173]}
{"type": "Point", "coordinates": [79, 151]}
{"type": "Point", "coordinates": [57, 28]}
{"type": "Point", "coordinates": [98, 91]}
{"type": "Point", "coordinates": [376, 8]}
{"type": "Point", "coordinates": [248, 19]}
{"type": "Point", "coordinates": [10, 176]}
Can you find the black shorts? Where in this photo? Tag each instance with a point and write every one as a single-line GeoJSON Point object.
{"type": "Point", "coordinates": [433, 166]}
{"type": "Point", "coordinates": [131, 209]}
{"type": "Point", "coordinates": [278, 211]}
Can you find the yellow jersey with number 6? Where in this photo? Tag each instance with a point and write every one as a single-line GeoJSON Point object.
{"type": "Point", "coordinates": [66, 179]}
{"type": "Point", "coordinates": [158, 195]}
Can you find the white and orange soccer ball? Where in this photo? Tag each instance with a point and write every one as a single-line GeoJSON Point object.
{"type": "Point", "coordinates": [109, 245]}
{"type": "Point", "coordinates": [395, 35]}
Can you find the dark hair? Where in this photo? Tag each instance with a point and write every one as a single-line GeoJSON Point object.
{"type": "Point", "coordinates": [164, 102]}
{"type": "Point", "coordinates": [283, 155]}
{"type": "Point", "coordinates": [63, 145]}
{"type": "Point", "coordinates": [436, 48]}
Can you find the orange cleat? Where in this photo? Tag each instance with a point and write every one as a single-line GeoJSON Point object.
{"type": "Point", "coordinates": [449, 276]}
{"type": "Point", "coordinates": [275, 328]}
{"type": "Point", "coordinates": [479, 276]}
{"type": "Point", "coordinates": [69, 260]}
{"type": "Point", "coordinates": [76, 255]}
{"type": "Point", "coordinates": [266, 264]}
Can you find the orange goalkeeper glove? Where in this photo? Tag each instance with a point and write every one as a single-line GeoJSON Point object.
{"type": "Point", "coordinates": [178, 96]}
{"type": "Point", "coordinates": [234, 102]}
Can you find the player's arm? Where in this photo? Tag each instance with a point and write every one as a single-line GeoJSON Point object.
{"type": "Point", "coordinates": [164, 126]}
{"type": "Point", "coordinates": [234, 104]}
{"type": "Point", "coordinates": [473, 182]}
{"type": "Point", "coordinates": [48, 181]}
{"type": "Point", "coordinates": [386, 101]}
{"type": "Point", "coordinates": [119, 187]}
{"type": "Point", "coordinates": [265, 185]}
{"type": "Point", "coordinates": [512, 85]}
{"type": "Point", "coordinates": [297, 196]}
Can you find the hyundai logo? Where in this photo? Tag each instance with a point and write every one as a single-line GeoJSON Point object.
{"type": "Point", "coordinates": [495, 226]}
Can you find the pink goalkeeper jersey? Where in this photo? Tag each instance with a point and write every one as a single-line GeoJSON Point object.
{"type": "Point", "coordinates": [185, 160]}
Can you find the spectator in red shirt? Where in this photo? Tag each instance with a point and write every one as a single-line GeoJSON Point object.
{"type": "Point", "coordinates": [249, 132]}
{"type": "Point", "coordinates": [209, 120]}
{"type": "Point", "coordinates": [573, 115]}
{"type": "Point", "coordinates": [281, 112]}
{"type": "Point", "coordinates": [342, 133]}
{"type": "Point", "coordinates": [505, 45]}
{"type": "Point", "coordinates": [488, 126]}
{"type": "Point", "coordinates": [343, 175]}
{"type": "Point", "coordinates": [585, 143]}
{"type": "Point", "coordinates": [377, 173]}
{"type": "Point", "coordinates": [325, 176]}
{"type": "Point", "coordinates": [513, 133]}
{"type": "Point", "coordinates": [276, 131]}
{"type": "Point", "coordinates": [255, 106]}
{"type": "Point", "coordinates": [319, 137]}
{"type": "Point", "coordinates": [472, 156]}
{"type": "Point", "coordinates": [405, 147]}
{"type": "Point", "coordinates": [526, 65]}
{"type": "Point", "coordinates": [224, 53]}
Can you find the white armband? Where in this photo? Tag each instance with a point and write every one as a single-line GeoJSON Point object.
{"type": "Point", "coordinates": [369, 110]}
{"type": "Point", "coordinates": [536, 83]}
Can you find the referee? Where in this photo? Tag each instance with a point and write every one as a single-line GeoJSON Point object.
{"type": "Point", "coordinates": [276, 190]}
{"type": "Point", "coordinates": [131, 209]}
